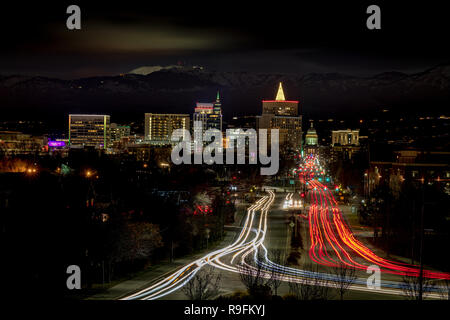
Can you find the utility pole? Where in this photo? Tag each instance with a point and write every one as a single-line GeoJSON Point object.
{"type": "Point", "coordinates": [421, 243]}
{"type": "Point", "coordinates": [368, 173]}
{"type": "Point", "coordinates": [413, 230]}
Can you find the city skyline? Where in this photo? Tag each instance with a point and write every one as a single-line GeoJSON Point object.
{"type": "Point", "coordinates": [259, 157]}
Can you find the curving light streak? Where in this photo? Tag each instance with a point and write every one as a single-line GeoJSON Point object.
{"type": "Point", "coordinates": [182, 276]}
{"type": "Point", "coordinates": [327, 228]}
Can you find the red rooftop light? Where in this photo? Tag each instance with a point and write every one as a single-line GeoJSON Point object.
{"type": "Point", "coordinates": [288, 101]}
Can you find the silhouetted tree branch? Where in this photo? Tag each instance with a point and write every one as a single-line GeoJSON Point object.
{"type": "Point", "coordinates": [346, 276]}
{"type": "Point", "coordinates": [204, 285]}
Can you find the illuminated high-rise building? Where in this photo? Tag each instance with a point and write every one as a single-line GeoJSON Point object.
{"type": "Point", "coordinates": [216, 117]}
{"type": "Point", "coordinates": [159, 127]}
{"type": "Point", "coordinates": [283, 115]}
{"type": "Point", "coordinates": [89, 130]}
{"type": "Point", "coordinates": [210, 114]}
{"type": "Point", "coordinates": [118, 132]}
{"type": "Point", "coordinates": [203, 112]}
{"type": "Point", "coordinates": [280, 106]}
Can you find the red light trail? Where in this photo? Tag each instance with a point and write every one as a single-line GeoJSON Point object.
{"type": "Point", "coordinates": [333, 242]}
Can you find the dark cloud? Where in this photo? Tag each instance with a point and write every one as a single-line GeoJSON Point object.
{"type": "Point", "coordinates": [264, 37]}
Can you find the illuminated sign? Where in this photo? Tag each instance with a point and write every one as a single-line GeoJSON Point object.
{"type": "Point", "coordinates": [203, 105]}
{"type": "Point", "coordinates": [56, 144]}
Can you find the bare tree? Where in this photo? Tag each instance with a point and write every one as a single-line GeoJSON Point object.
{"type": "Point", "coordinates": [277, 257]}
{"type": "Point", "coordinates": [314, 287]}
{"type": "Point", "coordinates": [204, 285]}
{"type": "Point", "coordinates": [294, 287]}
{"type": "Point", "coordinates": [345, 277]}
{"type": "Point", "coordinates": [138, 240]}
{"type": "Point", "coordinates": [255, 278]}
{"type": "Point", "coordinates": [411, 287]}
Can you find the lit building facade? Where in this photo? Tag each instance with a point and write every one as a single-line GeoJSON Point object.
{"type": "Point", "coordinates": [159, 127]}
{"type": "Point", "coordinates": [203, 113]}
{"type": "Point", "coordinates": [118, 132]}
{"type": "Point", "coordinates": [216, 117]}
{"type": "Point", "coordinates": [15, 143]}
{"type": "Point", "coordinates": [283, 115]}
{"type": "Point", "coordinates": [238, 130]}
{"type": "Point", "coordinates": [89, 130]}
{"type": "Point", "coordinates": [280, 106]}
{"type": "Point", "coordinates": [210, 114]}
{"type": "Point", "coordinates": [344, 144]}
{"type": "Point", "coordinates": [244, 122]}
{"type": "Point", "coordinates": [414, 166]}
{"type": "Point", "coordinates": [345, 137]}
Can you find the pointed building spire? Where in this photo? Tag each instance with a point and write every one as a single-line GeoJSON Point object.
{"type": "Point", "coordinates": [218, 96]}
{"type": "Point", "coordinates": [280, 94]}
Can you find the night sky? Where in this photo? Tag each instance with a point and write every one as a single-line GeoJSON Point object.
{"type": "Point", "coordinates": [274, 36]}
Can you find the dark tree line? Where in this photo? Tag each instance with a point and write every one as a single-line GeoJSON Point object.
{"type": "Point", "coordinates": [111, 222]}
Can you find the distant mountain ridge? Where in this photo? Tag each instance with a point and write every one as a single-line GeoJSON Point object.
{"type": "Point", "coordinates": [176, 89]}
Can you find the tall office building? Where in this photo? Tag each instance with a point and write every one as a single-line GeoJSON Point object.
{"type": "Point", "coordinates": [280, 106]}
{"type": "Point", "coordinates": [216, 117]}
{"type": "Point", "coordinates": [283, 115]}
{"type": "Point", "coordinates": [203, 112]}
{"type": "Point", "coordinates": [159, 127]}
{"type": "Point", "coordinates": [118, 132]}
{"type": "Point", "coordinates": [89, 130]}
{"type": "Point", "coordinates": [210, 114]}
